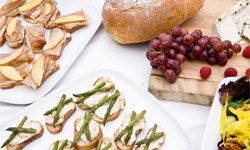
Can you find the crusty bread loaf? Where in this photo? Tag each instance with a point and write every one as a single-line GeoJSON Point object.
{"type": "Point", "coordinates": [135, 21]}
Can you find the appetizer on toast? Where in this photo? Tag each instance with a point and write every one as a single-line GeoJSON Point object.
{"type": "Point", "coordinates": [58, 115]}
{"type": "Point", "coordinates": [41, 69]}
{"type": "Point", "coordinates": [87, 133]}
{"type": "Point", "coordinates": [35, 38]}
{"type": "Point", "coordinates": [131, 126]}
{"type": "Point", "coordinates": [57, 41]}
{"type": "Point", "coordinates": [106, 144]}
{"type": "Point", "coordinates": [62, 145]}
{"type": "Point", "coordinates": [3, 20]}
{"type": "Point", "coordinates": [153, 140]}
{"type": "Point", "coordinates": [12, 76]}
{"type": "Point", "coordinates": [10, 8]}
{"type": "Point", "coordinates": [71, 22]}
{"type": "Point", "coordinates": [15, 32]}
{"type": "Point", "coordinates": [23, 134]}
{"type": "Point", "coordinates": [102, 101]}
{"type": "Point", "coordinates": [235, 116]}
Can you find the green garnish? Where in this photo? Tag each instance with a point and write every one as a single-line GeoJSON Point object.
{"type": "Point", "coordinates": [56, 145]}
{"type": "Point", "coordinates": [87, 119]}
{"type": "Point", "coordinates": [99, 144]}
{"type": "Point", "coordinates": [12, 136]}
{"type": "Point", "coordinates": [63, 145]}
{"type": "Point", "coordinates": [21, 130]}
{"type": "Point", "coordinates": [60, 106]}
{"type": "Point", "coordinates": [55, 108]}
{"type": "Point", "coordinates": [106, 147]}
{"type": "Point", "coordinates": [87, 132]}
{"type": "Point", "coordinates": [131, 124]}
{"type": "Point", "coordinates": [104, 101]}
{"type": "Point", "coordinates": [111, 105]}
{"type": "Point", "coordinates": [130, 131]}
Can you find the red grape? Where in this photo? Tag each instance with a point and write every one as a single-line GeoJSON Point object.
{"type": "Point", "coordinates": [182, 49]}
{"type": "Point", "coordinates": [218, 46]}
{"type": "Point", "coordinates": [190, 56]}
{"type": "Point", "coordinates": [213, 40]}
{"type": "Point", "coordinates": [196, 36]}
{"type": "Point", "coordinates": [154, 63]}
{"type": "Point", "coordinates": [170, 75]}
{"type": "Point", "coordinates": [154, 44]}
{"type": "Point", "coordinates": [151, 55]}
{"type": "Point", "coordinates": [236, 48]}
{"type": "Point", "coordinates": [171, 64]}
{"type": "Point", "coordinates": [197, 50]}
{"type": "Point", "coordinates": [205, 37]}
{"type": "Point", "coordinates": [222, 63]}
{"type": "Point", "coordinates": [174, 45]}
{"type": "Point", "coordinates": [222, 56]}
{"type": "Point", "coordinates": [230, 54]}
{"type": "Point", "coordinates": [212, 61]}
{"type": "Point", "coordinates": [204, 56]}
{"type": "Point", "coordinates": [165, 37]}
{"type": "Point", "coordinates": [180, 58]}
{"type": "Point", "coordinates": [162, 68]}
{"type": "Point", "coordinates": [164, 45]}
{"type": "Point", "coordinates": [227, 45]}
{"type": "Point", "coordinates": [171, 53]}
{"type": "Point", "coordinates": [199, 32]}
{"type": "Point", "coordinates": [179, 40]}
{"type": "Point", "coordinates": [188, 39]}
{"type": "Point", "coordinates": [176, 31]}
{"type": "Point", "coordinates": [203, 42]}
{"type": "Point", "coordinates": [211, 52]}
{"type": "Point", "coordinates": [178, 70]}
{"type": "Point", "coordinates": [183, 32]}
{"type": "Point", "coordinates": [162, 58]}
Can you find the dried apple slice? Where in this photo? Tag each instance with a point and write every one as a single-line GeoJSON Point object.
{"type": "Point", "coordinates": [12, 57]}
{"type": "Point", "coordinates": [30, 5]}
{"type": "Point", "coordinates": [56, 37]}
{"type": "Point", "coordinates": [10, 73]}
{"type": "Point", "coordinates": [47, 9]}
{"type": "Point", "coordinates": [12, 26]}
{"type": "Point", "coordinates": [10, 8]}
{"type": "Point", "coordinates": [69, 19]}
{"type": "Point", "coordinates": [38, 70]}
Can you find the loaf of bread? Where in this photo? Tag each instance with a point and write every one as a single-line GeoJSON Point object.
{"type": "Point", "coordinates": [135, 21]}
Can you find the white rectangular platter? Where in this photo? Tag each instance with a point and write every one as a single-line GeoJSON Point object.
{"type": "Point", "coordinates": [212, 133]}
{"type": "Point", "coordinates": [137, 99]}
{"type": "Point", "coordinates": [80, 38]}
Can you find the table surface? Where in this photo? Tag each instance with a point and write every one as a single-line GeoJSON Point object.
{"type": "Point", "coordinates": [103, 53]}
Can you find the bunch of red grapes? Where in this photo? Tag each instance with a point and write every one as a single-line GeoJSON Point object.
{"type": "Point", "coordinates": [171, 49]}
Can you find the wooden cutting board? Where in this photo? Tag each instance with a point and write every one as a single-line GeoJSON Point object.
{"type": "Point", "coordinates": [189, 87]}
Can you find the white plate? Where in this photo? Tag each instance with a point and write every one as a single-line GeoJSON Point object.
{"type": "Point", "coordinates": [25, 95]}
{"type": "Point", "coordinates": [212, 133]}
{"type": "Point", "coordinates": [137, 99]}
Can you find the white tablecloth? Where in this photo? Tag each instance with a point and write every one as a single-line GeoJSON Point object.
{"type": "Point", "coordinates": [129, 60]}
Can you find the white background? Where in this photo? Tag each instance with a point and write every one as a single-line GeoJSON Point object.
{"type": "Point", "coordinates": [129, 60]}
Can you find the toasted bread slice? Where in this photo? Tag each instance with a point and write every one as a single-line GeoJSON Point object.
{"type": "Point", "coordinates": [38, 134]}
{"type": "Point", "coordinates": [138, 127]}
{"type": "Point", "coordinates": [157, 144]}
{"type": "Point", "coordinates": [87, 146]}
{"type": "Point", "coordinates": [54, 129]}
{"type": "Point", "coordinates": [67, 147]}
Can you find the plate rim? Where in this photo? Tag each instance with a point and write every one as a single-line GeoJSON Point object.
{"type": "Point", "coordinates": [154, 100]}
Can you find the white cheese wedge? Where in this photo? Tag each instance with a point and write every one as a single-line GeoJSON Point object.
{"type": "Point", "coordinates": [119, 105]}
{"type": "Point", "coordinates": [138, 126]}
{"type": "Point", "coordinates": [93, 128]}
{"type": "Point", "coordinates": [50, 118]}
{"type": "Point", "coordinates": [155, 144]}
{"type": "Point", "coordinates": [21, 137]}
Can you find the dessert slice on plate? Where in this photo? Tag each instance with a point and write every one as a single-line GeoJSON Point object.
{"type": "Point", "coordinates": [14, 32]}
{"type": "Point", "coordinates": [153, 140]}
{"type": "Point", "coordinates": [87, 133]}
{"type": "Point", "coordinates": [58, 115]}
{"type": "Point", "coordinates": [131, 126]}
{"type": "Point", "coordinates": [62, 145]}
{"type": "Point", "coordinates": [35, 38]}
{"type": "Point", "coordinates": [41, 69]}
{"type": "Point", "coordinates": [3, 20]}
{"type": "Point", "coordinates": [10, 8]}
{"type": "Point", "coordinates": [106, 144]}
{"type": "Point", "coordinates": [72, 22]}
{"type": "Point", "coordinates": [57, 41]}
{"type": "Point", "coordinates": [16, 57]}
{"type": "Point", "coordinates": [23, 134]}
{"type": "Point", "coordinates": [12, 76]}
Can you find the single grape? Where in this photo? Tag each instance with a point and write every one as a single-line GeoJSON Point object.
{"type": "Point", "coordinates": [164, 45]}
{"type": "Point", "coordinates": [211, 52]}
{"type": "Point", "coordinates": [196, 36]}
{"type": "Point", "coordinates": [204, 56]}
{"type": "Point", "coordinates": [154, 63]}
{"type": "Point", "coordinates": [171, 64]}
{"type": "Point", "coordinates": [183, 32]}
{"type": "Point", "coordinates": [162, 68]}
{"type": "Point", "coordinates": [218, 46]}
{"type": "Point", "coordinates": [178, 70]}
{"type": "Point", "coordinates": [151, 54]}
{"type": "Point", "coordinates": [174, 45]}
{"type": "Point", "coordinates": [212, 60]}
{"type": "Point", "coordinates": [205, 37]}
{"type": "Point", "coordinates": [162, 58]}
{"type": "Point", "coordinates": [165, 37]}
{"type": "Point", "coordinates": [154, 44]}
{"type": "Point", "coordinates": [176, 31]}
{"type": "Point", "coordinates": [236, 48]}
{"type": "Point", "coordinates": [188, 39]}
{"type": "Point", "coordinates": [197, 50]}
{"type": "Point", "coordinates": [203, 42]}
{"type": "Point", "coordinates": [222, 63]}
{"type": "Point", "coordinates": [230, 54]}
{"type": "Point", "coordinates": [179, 40]}
{"type": "Point", "coordinates": [182, 49]}
{"type": "Point", "coordinates": [170, 75]}
{"type": "Point", "coordinates": [227, 45]}
{"type": "Point", "coordinates": [213, 40]}
{"type": "Point", "coordinates": [222, 56]}
{"type": "Point", "coordinates": [180, 58]}
{"type": "Point", "coordinates": [199, 32]}
{"type": "Point", "coordinates": [171, 53]}
{"type": "Point", "coordinates": [190, 56]}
